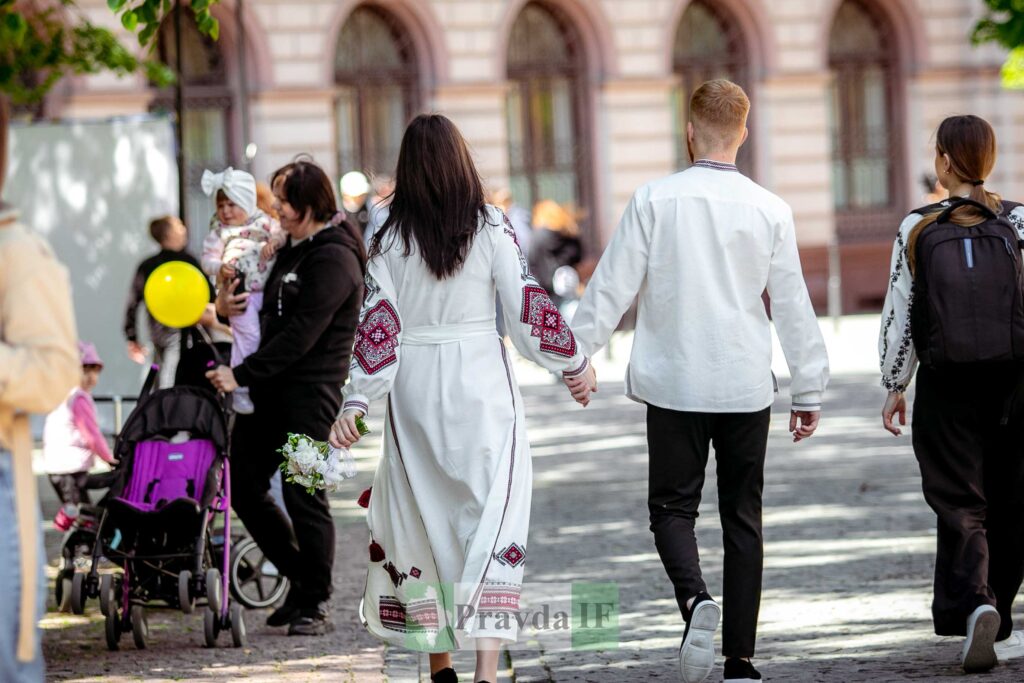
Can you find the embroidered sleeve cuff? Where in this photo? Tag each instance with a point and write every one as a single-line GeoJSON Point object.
{"type": "Point", "coordinates": [568, 374]}
{"type": "Point", "coordinates": [811, 401]}
{"type": "Point", "coordinates": [892, 386]}
{"type": "Point", "coordinates": [357, 402]}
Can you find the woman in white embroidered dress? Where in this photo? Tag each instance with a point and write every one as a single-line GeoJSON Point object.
{"type": "Point", "coordinates": [450, 503]}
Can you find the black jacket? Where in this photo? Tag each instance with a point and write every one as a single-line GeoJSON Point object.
{"type": "Point", "coordinates": [310, 313]}
{"type": "Point", "coordinates": [158, 334]}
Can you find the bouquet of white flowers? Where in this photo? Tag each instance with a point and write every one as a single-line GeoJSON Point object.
{"type": "Point", "coordinates": [317, 465]}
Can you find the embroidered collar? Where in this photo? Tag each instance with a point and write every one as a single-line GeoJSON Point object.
{"type": "Point", "coordinates": [716, 165]}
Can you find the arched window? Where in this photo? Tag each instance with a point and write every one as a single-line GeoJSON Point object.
{"type": "Point", "coordinates": [546, 70]}
{"type": "Point", "coordinates": [376, 73]}
{"type": "Point", "coordinates": [208, 103]}
{"type": "Point", "coordinates": [866, 140]}
{"type": "Point", "coordinates": [709, 44]}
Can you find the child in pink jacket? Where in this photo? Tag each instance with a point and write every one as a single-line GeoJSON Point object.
{"type": "Point", "coordinates": [72, 440]}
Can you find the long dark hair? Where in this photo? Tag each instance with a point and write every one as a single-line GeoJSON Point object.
{"type": "Point", "coordinates": [438, 197]}
{"type": "Point", "coordinates": [970, 143]}
{"type": "Point", "coordinates": [310, 192]}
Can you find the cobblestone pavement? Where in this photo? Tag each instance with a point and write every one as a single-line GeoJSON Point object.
{"type": "Point", "coordinates": [848, 543]}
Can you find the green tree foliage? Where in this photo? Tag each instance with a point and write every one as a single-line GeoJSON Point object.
{"type": "Point", "coordinates": [42, 41]}
{"type": "Point", "coordinates": [1003, 23]}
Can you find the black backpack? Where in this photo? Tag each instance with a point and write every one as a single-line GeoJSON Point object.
{"type": "Point", "coordinates": [968, 302]}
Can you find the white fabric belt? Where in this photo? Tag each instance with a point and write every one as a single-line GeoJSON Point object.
{"type": "Point", "coordinates": [447, 334]}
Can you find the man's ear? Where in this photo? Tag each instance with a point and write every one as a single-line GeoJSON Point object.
{"type": "Point", "coordinates": [743, 138]}
{"type": "Point", "coordinates": [689, 132]}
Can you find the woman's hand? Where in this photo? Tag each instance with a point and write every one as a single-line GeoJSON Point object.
{"type": "Point", "coordinates": [582, 386]}
{"type": "Point", "coordinates": [344, 431]}
{"type": "Point", "coordinates": [895, 404]}
{"type": "Point", "coordinates": [223, 379]}
{"type": "Point", "coordinates": [230, 304]}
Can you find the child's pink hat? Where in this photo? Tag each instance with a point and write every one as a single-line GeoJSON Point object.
{"type": "Point", "coordinates": [87, 353]}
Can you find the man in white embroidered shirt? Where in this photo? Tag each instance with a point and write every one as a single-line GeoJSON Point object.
{"type": "Point", "coordinates": [700, 247]}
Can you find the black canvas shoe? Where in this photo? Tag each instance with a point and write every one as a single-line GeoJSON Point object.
{"type": "Point", "coordinates": [741, 671]}
{"type": "Point", "coordinates": [447, 675]}
{"type": "Point", "coordinates": [697, 652]}
{"type": "Point", "coordinates": [312, 621]}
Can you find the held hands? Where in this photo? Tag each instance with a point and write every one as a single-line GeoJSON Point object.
{"type": "Point", "coordinates": [344, 431]}
{"type": "Point", "coordinates": [802, 423]}
{"type": "Point", "coordinates": [895, 404]}
{"type": "Point", "coordinates": [582, 386]}
{"type": "Point", "coordinates": [222, 379]}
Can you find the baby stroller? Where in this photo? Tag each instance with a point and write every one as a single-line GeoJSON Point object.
{"type": "Point", "coordinates": [157, 520]}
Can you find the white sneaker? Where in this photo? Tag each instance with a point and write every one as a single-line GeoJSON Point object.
{"type": "Point", "coordinates": [979, 653]}
{"type": "Point", "coordinates": [241, 402]}
{"type": "Point", "coordinates": [1011, 648]}
{"type": "Point", "coordinates": [697, 653]}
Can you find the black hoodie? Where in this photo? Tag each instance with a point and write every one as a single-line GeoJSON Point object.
{"type": "Point", "coordinates": [310, 313]}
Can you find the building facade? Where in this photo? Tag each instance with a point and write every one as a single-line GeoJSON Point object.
{"type": "Point", "coordinates": [583, 100]}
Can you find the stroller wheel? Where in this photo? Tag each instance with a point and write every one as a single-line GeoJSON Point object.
{"type": "Point", "coordinates": [107, 600]}
{"type": "Point", "coordinates": [112, 630]}
{"type": "Point", "coordinates": [186, 600]}
{"type": "Point", "coordinates": [140, 626]}
{"type": "Point", "coordinates": [62, 591]}
{"type": "Point", "coordinates": [213, 594]}
{"type": "Point", "coordinates": [238, 635]}
{"type": "Point", "coordinates": [211, 626]}
{"type": "Point", "coordinates": [78, 593]}
{"type": "Point", "coordinates": [255, 582]}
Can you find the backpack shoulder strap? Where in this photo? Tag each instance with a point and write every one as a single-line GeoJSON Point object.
{"type": "Point", "coordinates": [944, 216]}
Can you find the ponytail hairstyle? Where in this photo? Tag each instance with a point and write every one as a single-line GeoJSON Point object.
{"type": "Point", "coordinates": [970, 144]}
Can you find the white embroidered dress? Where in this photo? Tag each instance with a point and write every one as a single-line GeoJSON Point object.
{"type": "Point", "coordinates": [896, 353]}
{"type": "Point", "coordinates": [450, 504]}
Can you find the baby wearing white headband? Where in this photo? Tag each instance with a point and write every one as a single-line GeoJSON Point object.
{"type": "Point", "coordinates": [240, 245]}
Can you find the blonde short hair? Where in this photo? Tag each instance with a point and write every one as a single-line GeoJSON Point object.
{"type": "Point", "coordinates": [718, 111]}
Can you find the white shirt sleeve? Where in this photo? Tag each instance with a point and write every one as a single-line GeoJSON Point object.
{"type": "Point", "coordinates": [896, 354]}
{"type": "Point", "coordinates": [376, 355]}
{"type": "Point", "coordinates": [618, 278]}
{"type": "Point", "coordinates": [795, 322]}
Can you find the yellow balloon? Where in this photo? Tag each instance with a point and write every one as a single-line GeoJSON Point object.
{"type": "Point", "coordinates": [176, 294]}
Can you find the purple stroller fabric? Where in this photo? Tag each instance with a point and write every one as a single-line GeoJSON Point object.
{"type": "Point", "coordinates": [162, 472]}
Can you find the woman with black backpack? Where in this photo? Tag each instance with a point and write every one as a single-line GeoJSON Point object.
{"type": "Point", "coordinates": [955, 312]}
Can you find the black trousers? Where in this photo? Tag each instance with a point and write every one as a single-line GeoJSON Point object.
{"type": "Point", "coordinates": [301, 547]}
{"type": "Point", "coordinates": [679, 444]}
{"type": "Point", "coordinates": [972, 472]}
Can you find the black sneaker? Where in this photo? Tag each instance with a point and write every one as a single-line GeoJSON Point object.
{"type": "Point", "coordinates": [312, 621]}
{"type": "Point", "coordinates": [697, 652]}
{"type": "Point", "coordinates": [285, 614]}
{"type": "Point", "coordinates": [741, 671]}
{"type": "Point", "coordinates": [446, 675]}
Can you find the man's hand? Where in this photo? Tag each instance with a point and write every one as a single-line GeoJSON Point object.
{"type": "Point", "coordinates": [582, 386]}
{"type": "Point", "coordinates": [802, 423]}
{"type": "Point", "coordinates": [230, 304]}
{"type": "Point", "coordinates": [895, 404]}
{"type": "Point", "coordinates": [137, 352]}
{"type": "Point", "coordinates": [223, 379]}
{"type": "Point", "coordinates": [344, 431]}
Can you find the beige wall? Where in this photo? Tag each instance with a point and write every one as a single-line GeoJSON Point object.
{"type": "Point", "coordinates": [462, 46]}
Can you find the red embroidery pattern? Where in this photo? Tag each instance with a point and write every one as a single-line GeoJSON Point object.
{"type": "Point", "coordinates": [540, 312]}
{"type": "Point", "coordinates": [377, 338]}
{"type": "Point", "coordinates": [511, 556]}
{"type": "Point", "coordinates": [418, 615]}
{"type": "Point", "coordinates": [500, 597]}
